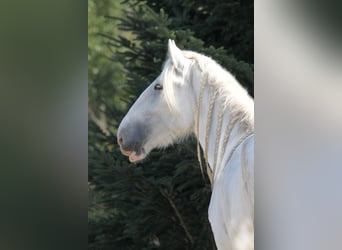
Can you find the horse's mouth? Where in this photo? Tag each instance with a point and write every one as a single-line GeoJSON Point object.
{"type": "Point", "coordinates": [133, 156]}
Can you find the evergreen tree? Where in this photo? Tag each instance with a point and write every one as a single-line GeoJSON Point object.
{"type": "Point", "coordinates": [162, 202]}
{"type": "Point", "coordinates": [221, 23]}
{"type": "Point", "coordinates": [106, 78]}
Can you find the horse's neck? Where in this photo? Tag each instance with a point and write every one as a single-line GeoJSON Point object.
{"type": "Point", "coordinates": [216, 151]}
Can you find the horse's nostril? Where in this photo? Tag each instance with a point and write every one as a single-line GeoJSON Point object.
{"type": "Point", "coordinates": [120, 140]}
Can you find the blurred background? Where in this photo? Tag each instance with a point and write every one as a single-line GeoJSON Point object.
{"type": "Point", "coordinates": [162, 202]}
{"type": "Point", "coordinates": [298, 110]}
{"type": "Point", "coordinates": [43, 127]}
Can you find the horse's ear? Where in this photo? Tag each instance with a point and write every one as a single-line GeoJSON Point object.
{"type": "Point", "coordinates": [175, 54]}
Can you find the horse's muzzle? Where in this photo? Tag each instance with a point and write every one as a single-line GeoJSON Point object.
{"type": "Point", "coordinates": [133, 156]}
{"type": "Point", "coordinates": [130, 147]}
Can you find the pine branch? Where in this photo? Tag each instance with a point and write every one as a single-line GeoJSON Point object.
{"type": "Point", "coordinates": [179, 216]}
{"type": "Point", "coordinates": [100, 121]}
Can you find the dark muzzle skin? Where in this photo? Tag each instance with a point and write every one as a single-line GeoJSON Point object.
{"type": "Point", "coordinates": [131, 137]}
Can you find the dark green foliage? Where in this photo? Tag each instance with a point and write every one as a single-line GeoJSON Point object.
{"type": "Point", "coordinates": [226, 23]}
{"type": "Point", "coordinates": [162, 202]}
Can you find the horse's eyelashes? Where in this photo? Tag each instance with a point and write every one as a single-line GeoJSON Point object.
{"type": "Point", "coordinates": [158, 86]}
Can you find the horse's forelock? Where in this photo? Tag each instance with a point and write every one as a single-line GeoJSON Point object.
{"type": "Point", "coordinates": [171, 77]}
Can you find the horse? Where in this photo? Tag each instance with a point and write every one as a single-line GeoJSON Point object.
{"type": "Point", "coordinates": [194, 95]}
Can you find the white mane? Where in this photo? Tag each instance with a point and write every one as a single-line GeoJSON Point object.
{"type": "Point", "coordinates": [233, 96]}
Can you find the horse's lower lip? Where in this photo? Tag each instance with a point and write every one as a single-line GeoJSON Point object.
{"type": "Point", "coordinates": [133, 157]}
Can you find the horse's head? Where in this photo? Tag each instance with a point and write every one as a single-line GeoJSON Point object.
{"type": "Point", "coordinates": [163, 112]}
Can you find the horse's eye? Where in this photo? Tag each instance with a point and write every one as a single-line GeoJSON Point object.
{"type": "Point", "coordinates": [158, 87]}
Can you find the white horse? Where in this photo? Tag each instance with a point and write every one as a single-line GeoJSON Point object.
{"type": "Point", "coordinates": [193, 94]}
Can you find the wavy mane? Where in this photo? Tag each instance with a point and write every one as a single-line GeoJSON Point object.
{"type": "Point", "coordinates": [233, 96]}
